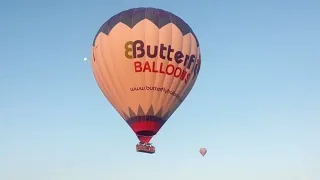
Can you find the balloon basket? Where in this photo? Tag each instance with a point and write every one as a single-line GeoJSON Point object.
{"type": "Point", "coordinates": [145, 148]}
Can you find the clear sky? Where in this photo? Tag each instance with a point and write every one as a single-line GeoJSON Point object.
{"type": "Point", "coordinates": [255, 106]}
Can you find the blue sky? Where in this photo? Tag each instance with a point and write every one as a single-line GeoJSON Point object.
{"type": "Point", "coordinates": [255, 106]}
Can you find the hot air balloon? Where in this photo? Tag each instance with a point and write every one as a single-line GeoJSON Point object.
{"type": "Point", "coordinates": [145, 61]}
{"type": "Point", "coordinates": [203, 151]}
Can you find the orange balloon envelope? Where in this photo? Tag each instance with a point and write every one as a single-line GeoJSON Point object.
{"type": "Point", "coordinates": [203, 151]}
{"type": "Point", "coordinates": [145, 61]}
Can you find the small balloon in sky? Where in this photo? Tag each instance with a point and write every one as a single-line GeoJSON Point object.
{"type": "Point", "coordinates": [85, 59]}
{"type": "Point", "coordinates": [203, 151]}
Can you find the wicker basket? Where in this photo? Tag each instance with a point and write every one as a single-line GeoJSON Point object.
{"type": "Point", "coordinates": [145, 148]}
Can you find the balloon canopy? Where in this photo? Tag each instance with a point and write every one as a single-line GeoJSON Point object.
{"type": "Point", "coordinates": [145, 61]}
{"type": "Point", "coordinates": [203, 151]}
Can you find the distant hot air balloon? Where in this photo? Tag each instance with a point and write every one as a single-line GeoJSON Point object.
{"type": "Point", "coordinates": [203, 151]}
{"type": "Point", "coordinates": [145, 61]}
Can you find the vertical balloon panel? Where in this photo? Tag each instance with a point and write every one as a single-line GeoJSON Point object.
{"type": "Point", "coordinates": [102, 76]}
